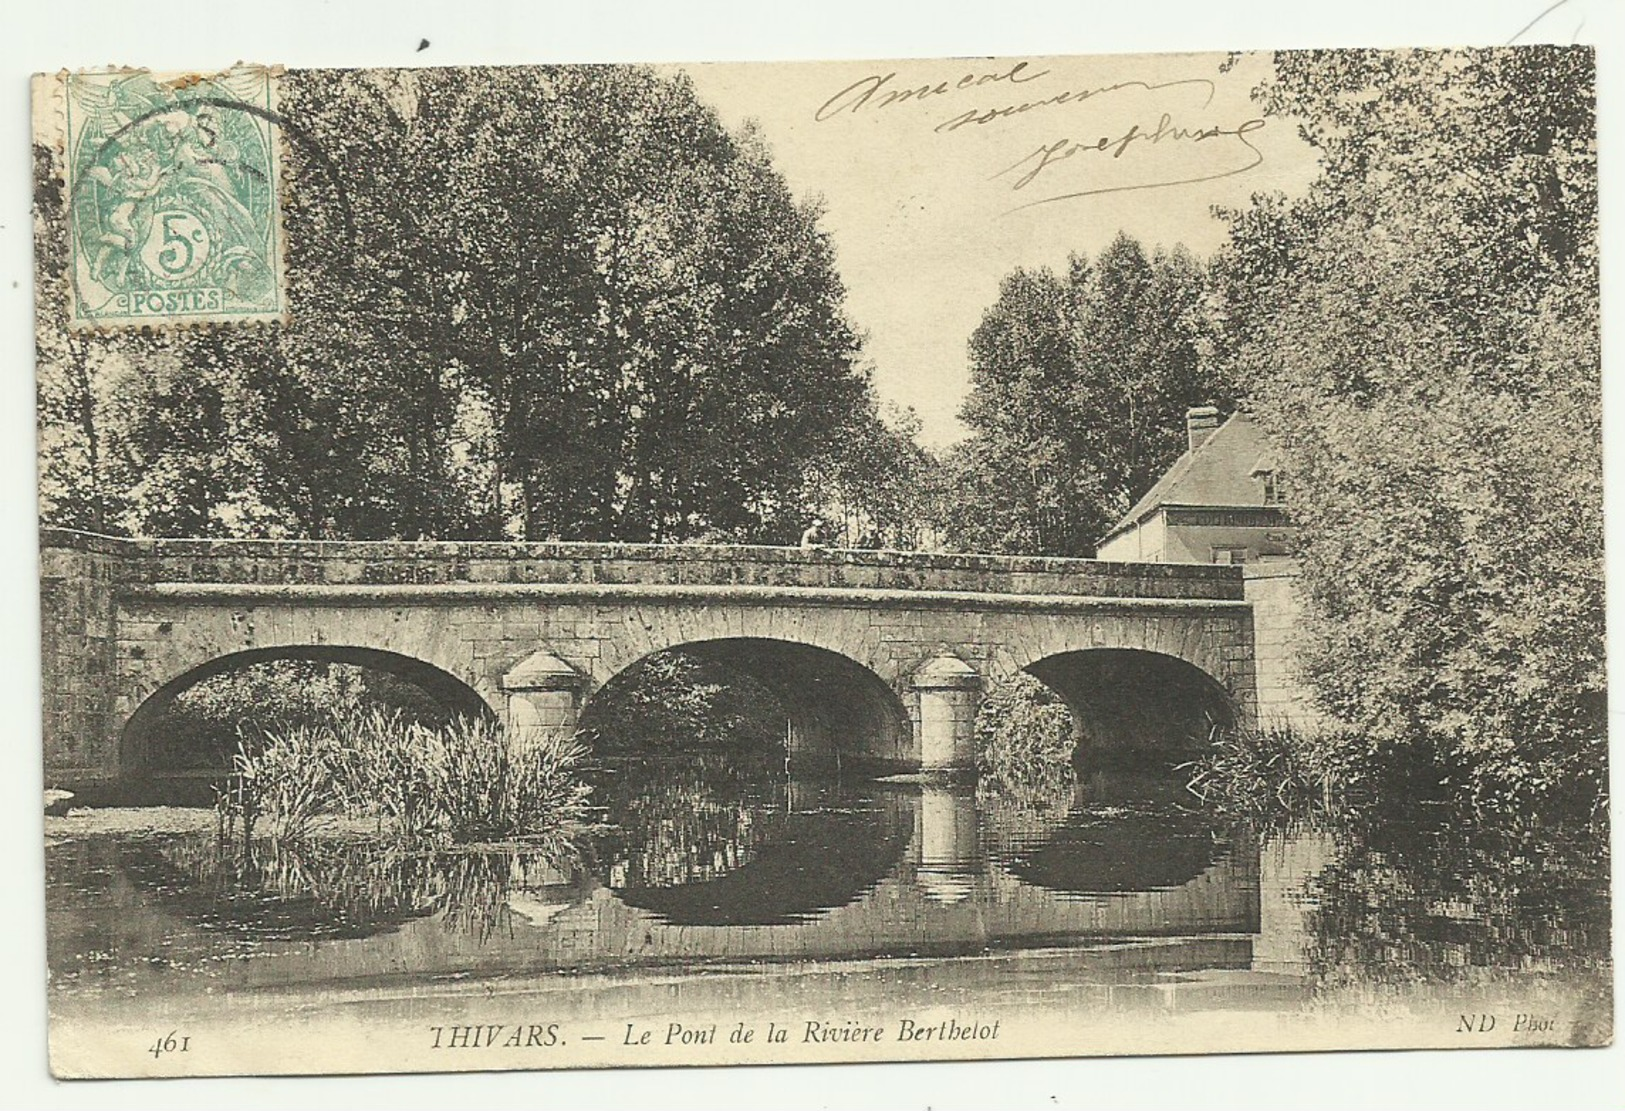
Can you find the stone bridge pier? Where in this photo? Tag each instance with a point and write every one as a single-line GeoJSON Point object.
{"type": "Point", "coordinates": [880, 658]}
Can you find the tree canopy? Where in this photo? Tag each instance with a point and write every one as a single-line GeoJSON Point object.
{"type": "Point", "coordinates": [560, 302]}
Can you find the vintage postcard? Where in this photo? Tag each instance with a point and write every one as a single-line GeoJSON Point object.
{"type": "Point", "coordinates": [603, 566]}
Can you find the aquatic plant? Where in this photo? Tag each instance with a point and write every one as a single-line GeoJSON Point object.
{"type": "Point", "coordinates": [286, 777]}
{"type": "Point", "coordinates": [480, 786]}
{"type": "Point", "coordinates": [1275, 770]}
{"type": "Point", "coordinates": [386, 770]}
{"type": "Point", "coordinates": [462, 782]}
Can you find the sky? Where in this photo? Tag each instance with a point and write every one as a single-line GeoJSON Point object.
{"type": "Point", "coordinates": [933, 191]}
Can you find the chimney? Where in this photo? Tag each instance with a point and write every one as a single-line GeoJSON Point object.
{"type": "Point", "coordinates": [1200, 423]}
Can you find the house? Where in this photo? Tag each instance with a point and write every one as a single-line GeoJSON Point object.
{"type": "Point", "coordinates": [1221, 501]}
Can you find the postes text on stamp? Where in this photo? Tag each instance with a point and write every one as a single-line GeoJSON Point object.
{"type": "Point", "coordinates": [174, 206]}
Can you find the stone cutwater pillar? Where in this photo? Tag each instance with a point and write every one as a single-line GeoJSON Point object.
{"type": "Point", "coordinates": [948, 691]}
{"type": "Point", "coordinates": [543, 695]}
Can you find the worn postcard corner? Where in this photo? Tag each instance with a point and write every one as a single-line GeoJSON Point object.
{"type": "Point", "coordinates": [599, 566]}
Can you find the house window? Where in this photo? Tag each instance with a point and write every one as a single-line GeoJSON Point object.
{"type": "Point", "coordinates": [1274, 488]}
{"type": "Point", "coordinates": [1235, 556]}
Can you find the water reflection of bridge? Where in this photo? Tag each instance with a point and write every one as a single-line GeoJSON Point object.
{"type": "Point", "coordinates": [947, 886]}
{"type": "Point", "coordinates": [943, 893]}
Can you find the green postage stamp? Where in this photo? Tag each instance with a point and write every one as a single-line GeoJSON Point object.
{"type": "Point", "coordinates": [173, 213]}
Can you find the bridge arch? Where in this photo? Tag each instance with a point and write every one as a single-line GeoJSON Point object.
{"type": "Point", "coordinates": [536, 628]}
{"type": "Point", "coordinates": [837, 708]}
{"type": "Point", "coordinates": [135, 738]}
{"type": "Point", "coordinates": [1136, 708]}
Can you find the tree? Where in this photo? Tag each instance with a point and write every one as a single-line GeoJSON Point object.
{"type": "Point", "coordinates": [646, 324]}
{"type": "Point", "coordinates": [550, 302]}
{"type": "Point", "coordinates": [877, 487]}
{"type": "Point", "coordinates": [1079, 390]}
{"type": "Point", "coordinates": [73, 488]}
{"type": "Point", "coordinates": [316, 429]}
{"type": "Point", "coordinates": [1419, 337]}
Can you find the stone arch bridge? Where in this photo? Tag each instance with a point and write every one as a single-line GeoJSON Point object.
{"type": "Point", "coordinates": [878, 656]}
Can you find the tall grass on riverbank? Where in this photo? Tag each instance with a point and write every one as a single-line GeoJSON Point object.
{"type": "Point", "coordinates": [291, 780]}
{"type": "Point", "coordinates": [459, 783]}
{"type": "Point", "coordinates": [1275, 770]}
{"type": "Point", "coordinates": [482, 788]}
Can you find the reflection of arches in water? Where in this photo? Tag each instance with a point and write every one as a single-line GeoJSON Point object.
{"type": "Point", "coordinates": [148, 748]}
{"type": "Point", "coordinates": [1134, 708]}
{"type": "Point", "coordinates": [1091, 854]}
{"type": "Point", "coordinates": [832, 706]}
{"type": "Point", "coordinates": [683, 820]}
{"type": "Point", "coordinates": [802, 864]}
{"type": "Point", "coordinates": [1108, 833]}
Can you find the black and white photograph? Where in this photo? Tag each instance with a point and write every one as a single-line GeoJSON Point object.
{"type": "Point", "coordinates": [613, 565]}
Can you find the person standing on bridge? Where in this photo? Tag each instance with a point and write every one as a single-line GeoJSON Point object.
{"type": "Point", "coordinates": [813, 537]}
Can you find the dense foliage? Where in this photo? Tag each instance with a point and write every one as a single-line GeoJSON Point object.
{"type": "Point", "coordinates": [1277, 773]}
{"type": "Point", "coordinates": [881, 489]}
{"type": "Point", "coordinates": [201, 726]}
{"type": "Point", "coordinates": [677, 703]}
{"type": "Point", "coordinates": [1025, 734]}
{"type": "Point", "coordinates": [1419, 336]}
{"type": "Point", "coordinates": [463, 782]}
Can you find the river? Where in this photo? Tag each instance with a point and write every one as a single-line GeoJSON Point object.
{"type": "Point", "coordinates": [1112, 915]}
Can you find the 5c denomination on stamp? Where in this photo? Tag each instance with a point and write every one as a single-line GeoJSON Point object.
{"type": "Point", "coordinates": [174, 198]}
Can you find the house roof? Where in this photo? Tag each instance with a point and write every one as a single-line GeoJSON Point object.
{"type": "Point", "coordinates": [1220, 472]}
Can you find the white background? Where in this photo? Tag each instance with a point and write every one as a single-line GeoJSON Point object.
{"type": "Point", "coordinates": [202, 35]}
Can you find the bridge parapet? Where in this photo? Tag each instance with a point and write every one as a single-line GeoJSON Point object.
{"type": "Point", "coordinates": [297, 562]}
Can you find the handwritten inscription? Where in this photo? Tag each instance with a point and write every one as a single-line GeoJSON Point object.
{"type": "Point", "coordinates": [883, 90]}
{"type": "Point", "coordinates": [1218, 147]}
{"type": "Point", "coordinates": [983, 116]}
{"type": "Point", "coordinates": [1049, 155]}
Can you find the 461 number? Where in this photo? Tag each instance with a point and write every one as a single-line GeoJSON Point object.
{"type": "Point", "coordinates": [169, 1043]}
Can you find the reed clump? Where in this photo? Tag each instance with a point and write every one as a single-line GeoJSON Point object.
{"type": "Point", "coordinates": [460, 783]}
{"type": "Point", "coordinates": [1275, 770]}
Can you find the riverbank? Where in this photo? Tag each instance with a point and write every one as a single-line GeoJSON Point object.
{"type": "Point", "coordinates": [91, 821]}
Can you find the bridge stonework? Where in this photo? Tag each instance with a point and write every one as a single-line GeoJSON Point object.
{"type": "Point", "coordinates": [535, 630]}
